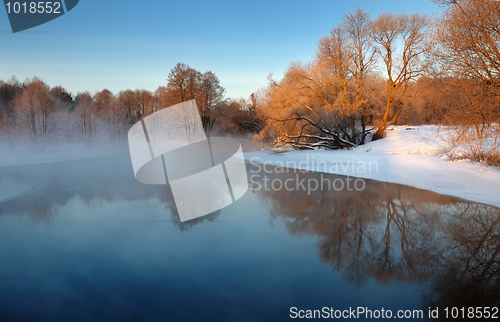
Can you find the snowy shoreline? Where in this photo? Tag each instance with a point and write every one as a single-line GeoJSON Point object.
{"type": "Point", "coordinates": [409, 157]}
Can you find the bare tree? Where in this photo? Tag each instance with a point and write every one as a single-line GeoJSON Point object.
{"type": "Point", "coordinates": [112, 112]}
{"type": "Point", "coordinates": [183, 82]}
{"type": "Point", "coordinates": [186, 83]}
{"type": "Point", "coordinates": [116, 118]}
{"type": "Point", "coordinates": [8, 91]}
{"type": "Point", "coordinates": [102, 100]}
{"type": "Point", "coordinates": [129, 100]}
{"type": "Point", "coordinates": [402, 66]}
{"type": "Point", "coordinates": [210, 94]}
{"type": "Point", "coordinates": [361, 53]}
{"type": "Point", "coordinates": [466, 46]}
{"type": "Point", "coordinates": [327, 98]}
{"type": "Point", "coordinates": [242, 117]}
{"type": "Point", "coordinates": [85, 118]}
{"type": "Point", "coordinates": [34, 110]}
{"type": "Point", "coordinates": [163, 98]}
{"type": "Point", "coordinates": [349, 50]}
{"type": "Point", "coordinates": [304, 111]}
{"type": "Point", "coordinates": [467, 40]}
{"type": "Point", "coordinates": [65, 98]}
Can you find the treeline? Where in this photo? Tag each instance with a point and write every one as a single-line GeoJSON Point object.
{"type": "Point", "coordinates": [367, 74]}
{"type": "Point", "coordinates": [44, 115]}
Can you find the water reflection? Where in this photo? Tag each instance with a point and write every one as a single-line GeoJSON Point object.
{"type": "Point", "coordinates": [394, 233]}
{"type": "Point", "coordinates": [386, 232]}
{"type": "Point", "coordinates": [94, 181]}
{"type": "Point", "coordinates": [470, 273]}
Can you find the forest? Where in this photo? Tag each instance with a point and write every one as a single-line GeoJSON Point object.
{"type": "Point", "coordinates": [367, 74]}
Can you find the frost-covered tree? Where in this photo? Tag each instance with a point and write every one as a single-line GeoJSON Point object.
{"type": "Point", "coordinates": [34, 111]}
{"type": "Point", "coordinates": [85, 118]}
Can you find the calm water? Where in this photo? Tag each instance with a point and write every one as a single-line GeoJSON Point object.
{"type": "Point", "coordinates": [83, 241]}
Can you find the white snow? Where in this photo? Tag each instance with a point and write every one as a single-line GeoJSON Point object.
{"type": "Point", "coordinates": [412, 157]}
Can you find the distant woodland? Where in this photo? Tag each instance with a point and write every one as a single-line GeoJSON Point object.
{"type": "Point", "coordinates": [367, 74]}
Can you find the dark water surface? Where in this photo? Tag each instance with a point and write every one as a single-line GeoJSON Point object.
{"type": "Point", "coordinates": [83, 241]}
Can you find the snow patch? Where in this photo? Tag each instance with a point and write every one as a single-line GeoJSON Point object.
{"type": "Point", "coordinates": [411, 157]}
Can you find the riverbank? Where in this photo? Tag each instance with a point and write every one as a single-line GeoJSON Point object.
{"type": "Point", "coordinates": [411, 156]}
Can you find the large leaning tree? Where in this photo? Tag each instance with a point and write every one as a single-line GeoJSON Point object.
{"type": "Point", "coordinates": [322, 104]}
{"type": "Point", "coordinates": [401, 41]}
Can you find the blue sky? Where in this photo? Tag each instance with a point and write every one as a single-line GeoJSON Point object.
{"type": "Point", "coordinates": [120, 44]}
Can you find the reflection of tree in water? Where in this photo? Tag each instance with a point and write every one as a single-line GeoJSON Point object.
{"type": "Point", "coordinates": [404, 247]}
{"type": "Point", "coordinates": [93, 181]}
{"type": "Point", "coordinates": [378, 232]}
{"type": "Point", "coordinates": [166, 197]}
{"type": "Point", "coordinates": [471, 274]}
{"type": "Point", "coordinates": [387, 232]}
{"type": "Point", "coordinates": [41, 209]}
{"type": "Point", "coordinates": [395, 233]}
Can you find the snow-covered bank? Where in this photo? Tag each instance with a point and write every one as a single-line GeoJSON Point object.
{"type": "Point", "coordinates": [410, 156]}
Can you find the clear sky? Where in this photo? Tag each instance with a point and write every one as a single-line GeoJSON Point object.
{"type": "Point", "coordinates": [120, 44]}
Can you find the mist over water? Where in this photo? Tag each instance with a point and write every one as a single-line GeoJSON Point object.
{"type": "Point", "coordinates": [85, 241]}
